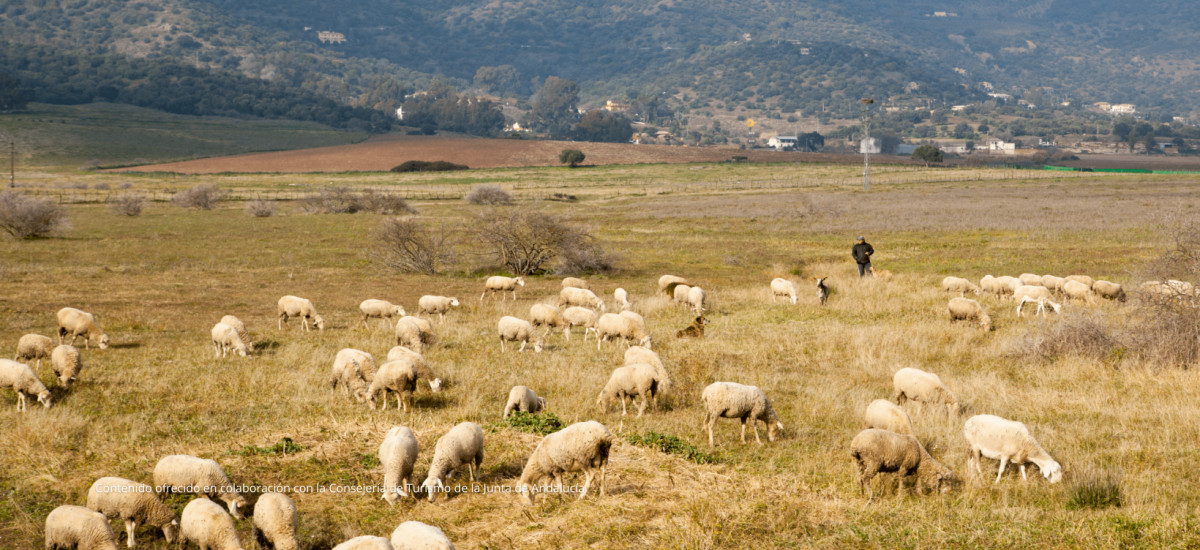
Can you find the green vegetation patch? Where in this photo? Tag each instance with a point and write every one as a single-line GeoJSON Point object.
{"type": "Point", "coordinates": [284, 447]}
{"type": "Point", "coordinates": [541, 423]}
{"type": "Point", "coordinates": [672, 445]}
{"type": "Point", "coordinates": [429, 166]}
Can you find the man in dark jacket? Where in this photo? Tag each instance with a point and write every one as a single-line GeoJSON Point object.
{"type": "Point", "coordinates": [862, 255]}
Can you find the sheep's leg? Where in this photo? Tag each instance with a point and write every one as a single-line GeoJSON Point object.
{"type": "Point", "coordinates": [1023, 478]}
{"type": "Point", "coordinates": [587, 482]}
{"type": "Point", "coordinates": [754, 425]}
{"type": "Point", "coordinates": [501, 345]}
{"type": "Point", "coordinates": [709, 422]}
{"type": "Point", "coordinates": [624, 411]}
{"type": "Point", "coordinates": [130, 528]}
{"type": "Point", "coordinates": [282, 321]}
{"type": "Point", "coordinates": [567, 334]}
{"type": "Point", "coordinates": [20, 401]}
{"type": "Point", "coordinates": [482, 295]}
{"type": "Point", "coordinates": [523, 342]}
{"type": "Point", "coordinates": [603, 478]}
{"type": "Point", "coordinates": [743, 431]}
{"type": "Point", "coordinates": [1003, 463]}
{"type": "Point", "coordinates": [642, 406]}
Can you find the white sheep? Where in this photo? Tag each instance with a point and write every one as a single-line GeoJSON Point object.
{"type": "Point", "coordinates": [877, 451]}
{"type": "Point", "coordinates": [225, 338]}
{"type": "Point", "coordinates": [207, 526]}
{"type": "Point", "coordinates": [639, 354]}
{"type": "Point", "coordinates": [576, 316]}
{"type": "Point", "coordinates": [241, 329]}
{"type": "Point", "coordinates": [201, 476]}
{"type": "Point", "coordinates": [512, 329]}
{"type": "Point", "coordinates": [292, 306]}
{"type": "Point", "coordinates": [1053, 283]}
{"type": "Point", "coordinates": [619, 327]}
{"type": "Point", "coordinates": [635, 317]}
{"type": "Point", "coordinates": [414, 535]}
{"type": "Point", "coordinates": [1109, 290]}
{"type": "Point", "coordinates": [418, 360]}
{"type": "Point", "coordinates": [497, 283]}
{"type": "Point", "coordinates": [583, 446]}
{"type": "Point", "coordinates": [543, 315]}
{"type": "Point", "coordinates": [440, 305]}
{"type": "Point", "coordinates": [696, 299]}
{"type": "Point", "coordinates": [34, 346]}
{"type": "Point", "coordinates": [1039, 295]}
{"type": "Point", "coordinates": [77, 528]}
{"type": "Point", "coordinates": [746, 403]}
{"type": "Point", "coordinates": [1076, 290]}
{"type": "Point", "coordinates": [1007, 441]}
{"type": "Point", "coordinates": [397, 455]}
{"type": "Point", "coordinates": [885, 415]}
{"type": "Point", "coordinates": [521, 398]}
{"type": "Point", "coordinates": [966, 309]}
{"type": "Point", "coordinates": [667, 284]}
{"type": "Point", "coordinates": [1006, 285]}
{"type": "Point", "coordinates": [1082, 279]}
{"type": "Point", "coordinates": [350, 369]}
{"type": "Point", "coordinates": [622, 299]}
{"type": "Point", "coordinates": [366, 542]}
{"type": "Point", "coordinates": [582, 297]}
{"type": "Point", "coordinates": [575, 282]}
{"type": "Point", "coordinates": [135, 503]}
{"type": "Point", "coordinates": [80, 323]}
{"type": "Point", "coordinates": [378, 309]}
{"type": "Point", "coordinates": [414, 333]}
{"type": "Point", "coordinates": [1031, 279]}
{"type": "Point", "coordinates": [783, 287]}
{"type": "Point", "coordinates": [989, 284]}
{"type": "Point", "coordinates": [959, 285]}
{"type": "Point", "coordinates": [1170, 289]}
{"type": "Point", "coordinates": [21, 379]}
{"type": "Point", "coordinates": [463, 444]}
{"type": "Point", "coordinates": [681, 294]}
{"type": "Point", "coordinates": [65, 362]}
{"type": "Point", "coordinates": [275, 521]}
{"type": "Point", "coordinates": [399, 376]}
{"type": "Point", "coordinates": [923, 387]}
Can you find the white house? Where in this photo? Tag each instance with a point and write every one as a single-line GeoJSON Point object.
{"type": "Point", "coordinates": [783, 143]}
{"type": "Point", "coordinates": [1002, 147]}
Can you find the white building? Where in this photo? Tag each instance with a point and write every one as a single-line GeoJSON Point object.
{"type": "Point", "coordinates": [783, 143]}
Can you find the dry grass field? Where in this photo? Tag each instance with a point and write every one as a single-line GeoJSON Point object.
{"type": "Point", "coordinates": [159, 281]}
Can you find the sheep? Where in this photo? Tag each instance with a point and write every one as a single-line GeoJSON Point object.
{"type": "Point", "coordinates": [1109, 290]}
{"type": "Point", "coordinates": [733, 400]}
{"type": "Point", "coordinates": [635, 317]}
{"type": "Point", "coordinates": [134, 503]}
{"type": "Point", "coordinates": [414, 333]}
{"type": "Point", "coordinates": [423, 369]}
{"type": "Point", "coordinates": [208, 526]}
{"type": "Point", "coordinates": [1030, 279]}
{"type": "Point", "coordinates": [399, 376]}
{"type": "Point", "coordinates": [34, 346]}
{"type": "Point", "coordinates": [667, 284]}
{"type": "Point", "coordinates": [632, 381]}
{"type": "Point", "coordinates": [366, 542]}
{"type": "Point", "coordinates": [274, 523]}
{"type": "Point", "coordinates": [576, 316]}
{"type": "Point", "coordinates": [923, 387]}
{"type": "Point", "coordinates": [582, 446]}
{"type": "Point", "coordinates": [622, 299]}
{"type": "Point", "coordinates": [885, 415]}
{"type": "Point", "coordinates": [822, 290]}
{"type": "Point", "coordinates": [202, 476]}
{"type": "Point", "coordinates": [80, 323]}
{"type": "Point", "coordinates": [783, 287]}
{"type": "Point", "coordinates": [523, 399]}
{"type": "Point", "coordinates": [966, 309]}
{"type": "Point", "coordinates": [1171, 289]}
{"type": "Point", "coordinates": [989, 284]}
{"type": "Point", "coordinates": [681, 294]}
{"type": "Point", "coordinates": [66, 365]}
{"type": "Point", "coordinates": [350, 369]}
{"type": "Point", "coordinates": [512, 329]}
{"type": "Point", "coordinates": [71, 527]}
{"type": "Point", "coordinates": [497, 283]}
{"type": "Point", "coordinates": [241, 330]}
{"type": "Point", "coordinates": [1006, 285]}
{"type": "Point", "coordinates": [22, 380]}
{"type": "Point", "coordinates": [463, 444]}
{"type": "Point", "coordinates": [1007, 441]}
{"type": "Point", "coordinates": [440, 305]}
{"type": "Point", "coordinates": [292, 306]}
{"type": "Point", "coordinates": [382, 309]}
{"type": "Point", "coordinates": [1053, 283]}
{"type": "Point", "coordinates": [583, 297]}
{"type": "Point", "coordinates": [696, 299]}
{"type": "Point", "coordinates": [639, 354]}
{"type": "Point", "coordinates": [575, 282]}
{"type": "Point", "coordinates": [1039, 295]}
{"type": "Point", "coordinates": [543, 315]}
{"type": "Point", "coordinates": [397, 454]}
{"type": "Point", "coordinates": [616, 326]}
{"type": "Point", "coordinates": [225, 338]}
{"type": "Point", "coordinates": [1076, 290]}
{"type": "Point", "coordinates": [414, 535]}
{"type": "Point", "coordinates": [877, 451]}
{"type": "Point", "coordinates": [1082, 279]}
{"type": "Point", "coordinates": [694, 330]}
{"type": "Point", "coordinates": [959, 285]}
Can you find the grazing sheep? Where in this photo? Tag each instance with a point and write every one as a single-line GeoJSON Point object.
{"type": "Point", "coordinates": [822, 290]}
{"type": "Point", "coordinates": [681, 294]}
{"type": "Point", "coordinates": [638, 380]}
{"type": "Point", "coordinates": [733, 400]}
{"type": "Point", "coordinates": [66, 364]}
{"type": "Point", "coordinates": [575, 282]}
{"type": "Point", "coordinates": [1030, 279]}
{"type": "Point", "coordinates": [1007, 441]}
{"type": "Point", "coordinates": [440, 305]}
{"type": "Point", "coordinates": [398, 454]}
{"type": "Point", "coordinates": [135, 503]}
{"type": "Point", "coordinates": [201, 476]}
{"type": "Point", "coordinates": [989, 284]}
{"type": "Point", "coordinates": [583, 446]}
{"type": "Point", "coordinates": [463, 444]}
{"type": "Point", "coordinates": [1039, 295]}
{"type": "Point", "coordinates": [208, 526]}
{"type": "Point", "coordinates": [21, 379]}
{"type": "Point", "coordinates": [1076, 290]}
{"type": "Point", "coordinates": [414, 535]}
{"type": "Point", "coordinates": [497, 283]}
{"type": "Point", "coordinates": [636, 318]}
{"type": "Point", "coordinates": [959, 285]}
{"type": "Point", "coordinates": [966, 309]}
{"type": "Point", "coordinates": [1082, 279]}
{"type": "Point", "coordinates": [1006, 285]}
{"type": "Point", "coordinates": [667, 284]}
{"type": "Point", "coordinates": [696, 299]}
{"type": "Point", "coordinates": [783, 287]}
{"type": "Point", "coordinates": [381, 309]}
{"type": "Point", "coordinates": [225, 338]}
{"type": "Point", "coordinates": [1171, 289]}
{"type": "Point", "coordinates": [582, 297]}
{"type": "Point", "coordinates": [275, 522]}
{"type": "Point", "coordinates": [1109, 290]}
{"type": "Point", "coordinates": [885, 415]}
{"type": "Point", "coordinates": [521, 398]}
{"type": "Point", "coordinates": [291, 306]}
{"type": "Point", "coordinates": [619, 327]}
{"type": "Point", "coordinates": [399, 376]}
{"type": "Point", "coordinates": [77, 528]}
{"type": "Point", "coordinates": [1053, 283]}
{"type": "Point", "coordinates": [923, 387]}
{"type": "Point", "coordinates": [423, 369]}
{"type": "Point", "coordinates": [512, 329]}
{"type": "Point", "coordinates": [34, 346]}
{"type": "Point", "coordinates": [543, 315]}
{"type": "Point", "coordinates": [414, 333]}
{"type": "Point", "coordinates": [350, 369]}
{"type": "Point", "coordinates": [576, 316]}
{"type": "Point", "coordinates": [366, 542]}
{"type": "Point", "coordinates": [639, 354]}
{"type": "Point", "coordinates": [694, 330]}
{"type": "Point", "coordinates": [876, 451]}
{"type": "Point", "coordinates": [241, 329]}
{"type": "Point", "coordinates": [622, 299]}
{"type": "Point", "coordinates": [80, 323]}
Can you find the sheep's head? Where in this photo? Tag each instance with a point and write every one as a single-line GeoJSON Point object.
{"type": "Point", "coordinates": [171, 530]}
{"type": "Point", "coordinates": [435, 385]}
{"type": "Point", "coordinates": [236, 503]}
{"type": "Point", "coordinates": [391, 497]}
{"type": "Point", "coordinates": [645, 342]}
{"type": "Point", "coordinates": [453, 302]}
{"type": "Point", "coordinates": [1053, 472]}
{"type": "Point", "coordinates": [103, 341]}
{"type": "Point", "coordinates": [526, 494]}
{"type": "Point", "coordinates": [44, 398]}
{"type": "Point", "coordinates": [319, 322]}
{"type": "Point", "coordinates": [520, 281]}
{"type": "Point", "coordinates": [68, 383]}
{"type": "Point", "coordinates": [433, 486]}
{"type": "Point", "coordinates": [774, 430]}
{"type": "Point", "coordinates": [398, 311]}
{"type": "Point", "coordinates": [537, 345]}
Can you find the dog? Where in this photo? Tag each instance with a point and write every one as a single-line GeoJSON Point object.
{"type": "Point", "coordinates": [822, 290]}
{"type": "Point", "coordinates": [694, 330]}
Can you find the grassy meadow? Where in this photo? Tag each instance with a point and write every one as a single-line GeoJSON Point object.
{"type": "Point", "coordinates": [159, 282]}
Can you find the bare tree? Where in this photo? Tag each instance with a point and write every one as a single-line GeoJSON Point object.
{"type": "Point", "coordinates": [526, 242]}
{"type": "Point", "coordinates": [403, 244]}
{"type": "Point", "coordinates": [27, 217]}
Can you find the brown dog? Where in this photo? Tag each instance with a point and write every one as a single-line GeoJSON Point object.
{"type": "Point", "coordinates": [694, 330]}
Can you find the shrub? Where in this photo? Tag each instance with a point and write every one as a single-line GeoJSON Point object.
{"type": "Point", "coordinates": [672, 445]}
{"type": "Point", "coordinates": [543, 423]}
{"type": "Point", "coordinates": [102, 186]}
{"type": "Point", "coordinates": [402, 243]}
{"type": "Point", "coordinates": [204, 196]}
{"type": "Point", "coordinates": [571, 157]}
{"type": "Point", "coordinates": [1087, 334]}
{"type": "Point", "coordinates": [586, 258]}
{"type": "Point", "coordinates": [563, 197]}
{"type": "Point", "coordinates": [526, 241]}
{"type": "Point", "coordinates": [1094, 490]}
{"type": "Point", "coordinates": [127, 205]}
{"type": "Point", "coordinates": [488, 194]}
{"type": "Point", "coordinates": [343, 200]}
{"type": "Point", "coordinates": [428, 166]}
{"type": "Point", "coordinates": [385, 203]}
{"type": "Point", "coordinates": [261, 208]}
{"type": "Point", "coordinates": [27, 217]}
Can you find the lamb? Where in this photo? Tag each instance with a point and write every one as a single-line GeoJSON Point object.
{"type": "Point", "coordinates": [1039, 295]}
{"type": "Point", "coordinates": [694, 330]}
{"type": "Point", "coordinates": [1053, 283]}
{"type": "Point", "coordinates": [922, 387]}
{"type": "Point", "coordinates": [440, 305]}
{"type": "Point", "coordinates": [398, 454]}
{"type": "Point", "coordinates": [885, 415]}
{"type": "Point", "coordinates": [681, 294]}
{"type": "Point", "coordinates": [616, 326]}
{"type": "Point", "coordinates": [622, 299]}
{"type": "Point", "coordinates": [696, 299]}
{"type": "Point", "coordinates": [414, 333]}
{"type": "Point", "coordinates": [1109, 290]}
{"type": "Point", "coordinates": [80, 323]}
{"type": "Point", "coordinates": [512, 329]}
{"type": "Point", "coordinates": [34, 346]}
{"type": "Point", "coordinates": [543, 315]}
{"type": "Point", "coordinates": [633, 381]}
{"type": "Point", "coordinates": [733, 400]}
{"type": "Point", "coordinates": [22, 380]}
{"type": "Point", "coordinates": [966, 309]}
{"type": "Point", "coordinates": [571, 296]}
{"type": "Point", "coordinates": [822, 290]}
{"type": "Point", "coordinates": [208, 526]}
{"type": "Point", "coordinates": [1007, 441]}
{"type": "Point", "coordinates": [583, 446]}
{"type": "Point", "coordinates": [521, 398]}
{"type": "Point", "coordinates": [366, 542]}
{"type": "Point", "coordinates": [414, 535]}
{"type": "Point", "coordinates": [134, 503]}
{"type": "Point", "coordinates": [576, 316]}
{"type": "Point", "coordinates": [959, 285]}
{"type": "Point", "coordinates": [667, 284]}
{"type": "Point", "coordinates": [423, 369]}
{"type": "Point", "coordinates": [463, 444]}
{"type": "Point", "coordinates": [575, 282]}
{"type": "Point", "coordinates": [399, 376]}
{"type": "Point", "coordinates": [783, 287]}
{"type": "Point", "coordinates": [77, 528]}
{"type": "Point", "coordinates": [1082, 279]}
{"type": "Point", "coordinates": [66, 365]}
{"type": "Point", "coordinates": [292, 306]}
{"type": "Point", "coordinates": [241, 329]}
{"type": "Point", "coordinates": [190, 474]}
{"type": "Point", "coordinates": [275, 522]}
{"type": "Point", "coordinates": [350, 369]}
{"type": "Point", "coordinates": [877, 451]}
{"type": "Point", "coordinates": [1030, 279]}
{"type": "Point", "coordinates": [381, 309]}
{"type": "Point", "coordinates": [225, 338]}
{"type": "Point", "coordinates": [497, 283]}
{"type": "Point", "coordinates": [1078, 291]}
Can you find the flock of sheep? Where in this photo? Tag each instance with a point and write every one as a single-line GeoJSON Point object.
{"type": "Point", "coordinates": [1041, 290]}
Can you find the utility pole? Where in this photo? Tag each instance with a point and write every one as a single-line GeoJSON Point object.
{"type": "Point", "coordinates": [12, 164]}
{"type": "Point", "coordinates": [866, 142]}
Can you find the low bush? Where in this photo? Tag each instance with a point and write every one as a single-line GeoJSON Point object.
{"type": "Point", "coordinates": [488, 194]}
{"type": "Point", "coordinates": [204, 196]}
{"type": "Point", "coordinates": [127, 205]}
{"type": "Point", "coordinates": [27, 217]}
{"type": "Point", "coordinates": [428, 166]}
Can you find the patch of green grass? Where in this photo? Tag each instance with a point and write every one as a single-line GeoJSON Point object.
{"type": "Point", "coordinates": [543, 423]}
{"type": "Point", "coordinates": [672, 445]}
{"type": "Point", "coordinates": [1094, 491]}
{"type": "Point", "coordinates": [283, 447]}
